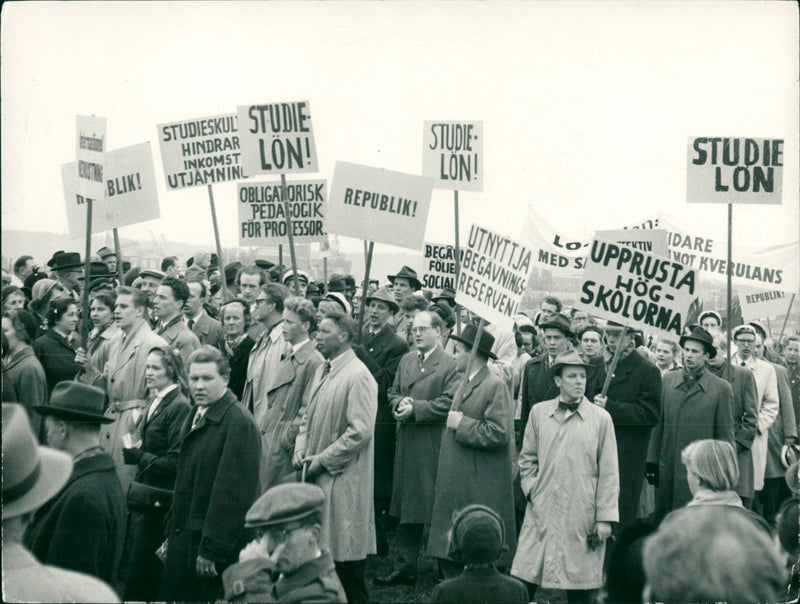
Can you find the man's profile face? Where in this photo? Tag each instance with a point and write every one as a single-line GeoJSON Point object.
{"type": "Point", "coordinates": [402, 289]}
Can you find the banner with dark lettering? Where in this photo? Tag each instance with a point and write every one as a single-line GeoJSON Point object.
{"type": "Point", "coordinates": [734, 170]}
{"type": "Point", "coordinates": [200, 151]}
{"type": "Point", "coordinates": [637, 289]}
{"type": "Point", "coordinates": [654, 241]}
{"type": "Point", "coordinates": [91, 144]}
{"type": "Point", "coordinates": [494, 273]}
{"type": "Point", "coordinates": [760, 304]}
{"type": "Point", "coordinates": [277, 138]}
{"type": "Point", "coordinates": [379, 205]}
{"type": "Point", "coordinates": [130, 193]}
{"type": "Point", "coordinates": [452, 154]}
{"type": "Point", "coordinates": [438, 267]}
{"type": "Point", "coordinates": [262, 215]}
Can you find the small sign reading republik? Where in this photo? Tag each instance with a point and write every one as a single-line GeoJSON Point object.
{"type": "Point", "coordinates": [379, 205]}
{"type": "Point", "coordinates": [277, 138]}
{"type": "Point", "coordinates": [494, 273]}
{"type": "Point", "coordinates": [452, 154]}
{"type": "Point", "coordinates": [262, 215]}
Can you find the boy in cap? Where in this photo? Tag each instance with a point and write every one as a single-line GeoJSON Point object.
{"type": "Point", "coordinates": [284, 563]}
{"type": "Point", "coordinates": [477, 538]}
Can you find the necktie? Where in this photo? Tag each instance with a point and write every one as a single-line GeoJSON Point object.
{"type": "Point", "coordinates": [568, 406]}
{"type": "Point", "coordinates": [744, 364]}
{"type": "Point", "coordinates": [196, 420]}
{"type": "Point", "coordinates": [191, 324]}
{"type": "Point", "coordinates": [420, 358]}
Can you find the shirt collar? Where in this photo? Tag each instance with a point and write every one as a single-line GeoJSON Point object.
{"type": "Point", "coordinates": [426, 355]}
{"type": "Point", "coordinates": [299, 345]}
{"type": "Point", "coordinates": [341, 360]}
{"type": "Point", "coordinates": [165, 391]}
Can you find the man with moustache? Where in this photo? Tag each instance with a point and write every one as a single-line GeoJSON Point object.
{"type": "Point", "coordinates": [385, 349]}
{"type": "Point", "coordinates": [420, 398]}
{"type": "Point", "coordinates": [216, 483]}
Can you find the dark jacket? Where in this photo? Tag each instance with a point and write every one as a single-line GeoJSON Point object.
{"type": "Point", "coordinates": [24, 382]}
{"type": "Point", "coordinates": [57, 357]}
{"type": "Point", "coordinates": [386, 349]}
{"type": "Point", "coordinates": [83, 527]}
{"type": "Point", "coordinates": [216, 483]}
{"type": "Point", "coordinates": [161, 437]}
{"type": "Point", "coordinates": [255, 581]}
{"type": "Point", "coordinates": [634, 402]}
{"type": "Point", "coordinates": [238, 362]}
{"type": "Point", "coordinates": [481, 585]}
{"type": "Point", "coordinates": [208, 330]}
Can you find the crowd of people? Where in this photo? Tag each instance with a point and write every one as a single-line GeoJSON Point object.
{"type": "Point", "coordinates": [245, 433]}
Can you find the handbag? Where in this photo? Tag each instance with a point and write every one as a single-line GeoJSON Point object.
{"type": "Point", "coordinates": [145, 498]}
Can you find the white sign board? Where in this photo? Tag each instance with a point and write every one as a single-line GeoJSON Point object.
{"type": "Point", "coordinates": [130, 196]}
{"type": "Point", "coordinates": [379, 205]}
{"type": "Point", "coordinates": [277, 138]}
{"type": "Point", "coordinates": [759, 304]}
{"type": "Point", "coordinates": [452, 154]}
{"type": "Point", "coordinates": [200, 151]}
{"type": "Point", "coordinates": [493, 277]}
{"type": "Point", "coordinates": [438, 267]}
{"type": "Point", "coordinates": [91, 144]}
{"type": "Point", "coordinates": [262, 215]}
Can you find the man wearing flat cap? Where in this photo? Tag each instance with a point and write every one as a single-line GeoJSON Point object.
{"type": "Point", "coordinates": [109, 257]}
{"type": "Point", "coordinates": [83, 528]}
{"type": "Point", "coordinates": [569, 474]}
{"type": "Point", "coordinates": [285, 562]}
{"type": "Point", "coordinates": [695, 405]}
{"type": "Point", "coordinates": [32, 475]}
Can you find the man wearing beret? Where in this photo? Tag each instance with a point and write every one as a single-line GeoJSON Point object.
{"type": "Point", "coordinates": [695, 405]}
{"type": "Point", "coordinates": [285, 562]}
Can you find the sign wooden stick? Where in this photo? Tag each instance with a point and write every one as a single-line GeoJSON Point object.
{"type": "Point", "coordinates": [457, 252]}
{"type": "Point", "coordinates": [325, 272]}
{"type": "Point", "coordinates": [365, 288]}
{"type": "Point", "coordinates": [87, 270]}
{"type": "Point", "coordinates": [287, 210]}
{"type": "Point", "coordinates": [614, 361]}
{"type": "Point", "coordinates": [220, 261]}
{"type": "Point", "coordinates": [118, 252]}
{"type": "Point", "coordinates": [728, 279]}
{"type": "Point", "coordinates": [472, 353]}
{"type": "Point", "coordinates": [785, 321]}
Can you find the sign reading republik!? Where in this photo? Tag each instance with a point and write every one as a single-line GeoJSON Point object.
{"type": "Point", "coordinates": [277, 138]}
{"type": "Point", "coordinates": [452, 154]}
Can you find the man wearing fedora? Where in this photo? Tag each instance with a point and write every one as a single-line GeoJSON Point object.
{"type": "Point", "coordinates": [109, 257]}
{"type": "Point", "coordinates": [404, 284]}
{"type": "Point", "coordinates": [569, 474]}
{"type": "Point", "coordinates": [695, 405]}
{"type": "Point", "coordinates": [420, 398]}
{"type": "Point", "coordinates": [386, 349]}
{"type": "Point", "coordinates": [32, 475]}
{"type": "Point", "coordinates": [83, 528]}
{"type": "Point", "coordinates": [67, 267]}
{"type": "Point", "coordinates": [633, 401]}
{"type": "Point", "coordinates": [285, 562]}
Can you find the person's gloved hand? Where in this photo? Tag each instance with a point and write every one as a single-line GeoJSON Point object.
{"type": "Point", "coordinates": [131, 456]}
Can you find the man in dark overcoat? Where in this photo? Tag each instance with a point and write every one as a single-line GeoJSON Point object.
{"type": "Point", "coordinates": [633, 400]}
{"type": "Point", "coordinates": [420, 397]}
{"type": "Point", "coordinates": [695, 405]}
{"type": "Point", "coordinates": [216, 483]}
{"type": "Point", "coordinates": [83, 527]}
{"type": "Point", "coordinates": [385, 348]}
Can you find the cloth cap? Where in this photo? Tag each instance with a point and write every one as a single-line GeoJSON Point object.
{"type": "Point", "coordinates": [477, 535]}
{"type": "Point", "coordinates": [105, 252]}
{"type": "Point", "coordinates": [384, 295]}
{"type": "Point", "coordinates": [748, 329]}
{"type": "Point", "coordinates": [41, 289]}
{"type": "Point", "coordinates": [341, 300]}
{"type": "Point", "coordinates": [710, 313]}
{"type": "Point", "coordinates": [76, 402]}
{"type": "Point", "coordinates": [264, 264]}
{"type": "Point", "coordinates": [31, 474]}
{"type": "Point", "coordinates": [149, 272]}
{"type": "Point", "coordinates": [301, 275]}
{"type": "Point", "coordinates": [448, 293]}
{"type": "Point", "coordinates": [285, 503]}
{"type": "Point", "coordinates": [698, 334]}
{"type": "Point", "coordinates": [337, 283]}
{"type": "Point", "coordinates": [561, 322]}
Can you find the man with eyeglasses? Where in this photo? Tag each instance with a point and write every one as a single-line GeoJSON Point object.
{"type": "Point", "coordinates": [285, 562]}
{"type": "Point", "coordinates": [766, 396]}
{"type": "Point", "coordinates": [420, 399]}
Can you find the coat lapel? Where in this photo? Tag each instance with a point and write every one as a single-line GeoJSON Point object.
{"type": "Point", "coordinates": [469, 386]}
{"type": "Point", "coordinates": [168, 398]}
{"type": "Point", "coordinates": [428, 368]}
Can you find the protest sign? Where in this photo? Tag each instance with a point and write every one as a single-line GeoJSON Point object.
{"type": "Point", "coordinates": [637, 289]}
{"type": "Point", "coordinates": [130, 189]}
{"type": "Point", "coordinates": [438, 266]}
{"type": "Point", "coordinates": [759, 304]}
{"type": "Point", "coordinates": [262, 215]}
{"type": "Point", "coordinates": [90, 144]}
{"type": "Point", "coordinates": [200, 151]}
{"type": "Point", "coordinates": [493, 277]}
{"type": "Point", "coordinates": [734, 170]}
{"type": "Point", "coordinates": [452, 155]}
{"type": "Point", "coordinates": [277, 138]}
{"type": "Point", "coordinates": [379, 205]}
{"type": "Point", "coordinates": [654, 241]}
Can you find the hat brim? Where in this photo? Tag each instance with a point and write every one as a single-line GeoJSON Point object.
{"type": "Point", "coordinates": [413, 280]}
{"type": "Point", "coordinates": [55, 470]}
{"type": "Point", "coordinates": [68, 266]}
{"type": "Point", "coordinates": [555, 369]}
{"type": "Point", "coordinates": [566, 331]}
{"type": "Point", "coordinates": [488, 353]}
{"type": "Point", "coordinates": [279, 521]}
{"type": "Point", "coordinates": [710, 348]}
{"type": "Point", "coordinates": [448, 298]}
{"type": "Point", "coordinates": [393, 306]}
{"type": "Point", "coordinates": [71, 415]}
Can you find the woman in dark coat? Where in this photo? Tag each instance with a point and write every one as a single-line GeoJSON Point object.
{"type": "Point", "coordinates": [236, 344]}
{"type": "Point", "coordinates": [55, 349]}
{"type": "Point", "coordinates": [156, 457]}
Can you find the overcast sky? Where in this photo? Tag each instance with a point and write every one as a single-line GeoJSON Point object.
{"type": "Point", "coordinates": [586, 107]}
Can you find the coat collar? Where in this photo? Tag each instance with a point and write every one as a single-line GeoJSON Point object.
{"type": "Point", "coordinates": [477, 380]}
{"type": "Point", "coordinates": [19, 356]}
{"type": "Point", "coordinates": [582, 410]}
{"type": "Point", "coordinates": [216, 411]}
{"type": "Point", "coordinates": [57, 337]}
{"type": "Point", "coordinates": [203, 323]}
{"type": "Point", "coordinates": [168, 398]}
{"type": "Point", "coordinates": [428, 366]}
{"type": "Point", "coordinates": [307, 573]}
{"type": "Point", "coordinates": [89, 465]}
{"type": "Point", "coordinates": [703, 383]}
